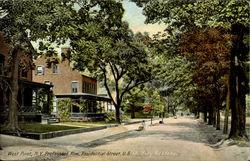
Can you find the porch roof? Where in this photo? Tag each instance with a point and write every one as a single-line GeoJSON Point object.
{"type": "Point", "coordinates": [29, 83]}
{"type": "Point", "coordinates": [84, 96]}
{"type": "Point", "coordinates": [35, 84]}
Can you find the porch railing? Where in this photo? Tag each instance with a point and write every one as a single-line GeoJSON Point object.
{"type": "Point", "coordinates": [84, 116]}
{"type": "Point", "coordinates": [30, 109]}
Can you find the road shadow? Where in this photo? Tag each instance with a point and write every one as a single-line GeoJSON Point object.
{"type": "Point", "coordinates": [194, 134]}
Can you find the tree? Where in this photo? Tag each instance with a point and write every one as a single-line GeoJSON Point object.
{"type": "Point", "coordinates": [210, 49]}
{"type": "Point", "coordinates": [22, 22]}
{"type": "Point", "coordinates": [182, 16]}
{"type": "Point", "coordinates": [117, 57]}
{"type": "Point", "coordinates": [48, 22]}
{"type": "Point", "coordinates": [135, 98]}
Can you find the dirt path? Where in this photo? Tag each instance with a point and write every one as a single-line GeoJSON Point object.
{"type": "Point", "coordinates": [179, 139]}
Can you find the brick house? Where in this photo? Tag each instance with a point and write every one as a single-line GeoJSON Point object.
{"type": "Point", "coordinates": [30, 106]}
{"type": "Point", "coordinates": [69, 83]}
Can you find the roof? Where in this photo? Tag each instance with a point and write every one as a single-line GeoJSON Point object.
{"type": "Point", "coordinates": [30, 83]}
{"type": "Point", "coordinates": [36, 84]}
{"type": "Point", "coordinates": [83, 96]}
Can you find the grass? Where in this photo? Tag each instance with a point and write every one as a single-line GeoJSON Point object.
{"type": "Point", "coordinates": [142, 115]}
{"type": "Point", "coordinates": [42, 128]}
{"type": "Point", "coordinates": [87, 124]}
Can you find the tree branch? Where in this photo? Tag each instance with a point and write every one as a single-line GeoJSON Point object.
{"type": "Point", "coordinates": [127, 89]}
{"type": "Point", "coordinates": [106, 85]}
{"type": "Point", "coordinates": [113, 71]}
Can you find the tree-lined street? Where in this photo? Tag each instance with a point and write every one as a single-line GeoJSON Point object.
{"type": "Point", "coordinates": [184, 138]}
{"type": "Point", "coordinates": [198, 66]}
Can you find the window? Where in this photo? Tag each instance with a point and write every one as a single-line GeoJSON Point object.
{"type": "Point", "coordinates": [74, 87]}
{"type": "Point", "coordinates": [24, 73]}
{"type": "Point", "coordinates": [95, 89]}
{"type": "Point", "coordinates": [55, 69]}
{"type": "Point", "coordinates": [84, 87]}
{"type": "Point", "coordinates": [40, 70]}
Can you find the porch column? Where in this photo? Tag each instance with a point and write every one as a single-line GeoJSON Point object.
{"type": "Point", "coordinates": [87, 106]}
{"type": "Point", "coordinates": [37, 101]}
{"type": "Point", "coordinates": [79, 102]}
{"type": "Point", "coordinates": [48, 101]}
{"type": "Point", "coordinates": [92, 106]}
{"type": "Point", "coordinates": [107, 106]}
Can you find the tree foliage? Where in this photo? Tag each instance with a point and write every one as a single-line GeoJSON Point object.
{"type": "Point", "coordinates": [196, 18]}
{"type": "Point", "coordinates": [22, 22]}
{"type": "Point", "coordinates": [119, 58]}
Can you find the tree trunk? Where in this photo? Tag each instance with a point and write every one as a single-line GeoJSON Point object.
{"type": "Point", "coordinates": [13, 104]}
{"type": "Point", "coordinates": [210, 119]}
{"type": "Point", "coordinates": [225, 129]}
{"type": "Point", "coordinates": [205, 114]}
{"type": "Point", "coordinates": [214, 116]}
{"type": "Point", "coordinates": [238, 84]}
{"type": "Point", "coordinates": [173, 111]}
{"type": "Point", "coordinates": [117, 114]}
{"type": "Point", "coordinates": [132, 111]}
{"type": "Point", "coordinates": [242, 103]}
{"type": "Point", "coordinates": [197, 115]}
{"type": "Point", "coordinates": [218, 120]}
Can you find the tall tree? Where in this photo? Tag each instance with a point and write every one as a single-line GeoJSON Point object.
{"type": "Point", "coordinates": [135, 98]}
{"type": "Point", "coordinates": [117, 57]}
{"type": "Point", "coordinates": [182, 16]}
{"type": "Point", "coordinates": [24, 21]}
{"type": "Point", "coordinates": [210, 49]}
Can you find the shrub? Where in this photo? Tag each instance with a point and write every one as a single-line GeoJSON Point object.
{"type": "Point", "coordinates": [110, 117]}
{"type": "Point", "coordinates": [64, 107]}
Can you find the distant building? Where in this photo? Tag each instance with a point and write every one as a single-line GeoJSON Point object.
{"type": "Point", "coordinates": [69, 83]}
{"type": "Point", "coordinates": [30, 107]}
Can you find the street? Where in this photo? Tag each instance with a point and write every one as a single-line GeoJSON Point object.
{"type": "Point", "coordinates": [180, 139]}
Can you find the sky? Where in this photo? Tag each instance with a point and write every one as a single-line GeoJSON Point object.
{"type": "Point", "coordinates": [133, 15]}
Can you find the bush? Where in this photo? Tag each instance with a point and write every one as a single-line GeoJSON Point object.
{"type": "Point", "coordinates": [142, 115]}
{"type": "Point", "coordinates": [64, 108]}
{"type": "Point", "coordinates": [110, 117]}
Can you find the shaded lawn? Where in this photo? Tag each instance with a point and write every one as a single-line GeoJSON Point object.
{"type": "Point", "coordinates": [142, 115]}
{"type": "Point", "coordinates": [88, 124]}
{"type": "Point", "coordinates": [42, 128]}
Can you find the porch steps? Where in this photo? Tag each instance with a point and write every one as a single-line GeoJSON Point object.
{"type": "Point", "coordinates": [50, 119]}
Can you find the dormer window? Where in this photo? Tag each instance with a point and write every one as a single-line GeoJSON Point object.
{"type": "Point", "coordinates": [40, 70]}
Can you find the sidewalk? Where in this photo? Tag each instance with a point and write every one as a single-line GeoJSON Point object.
{"type": "Point", "coordinates": [18, 148]}
{"type": "Point", "coordinates": [49, 135]}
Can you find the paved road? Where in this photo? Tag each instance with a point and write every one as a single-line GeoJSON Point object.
{"type": "Point", "coordinates": [175, 140]}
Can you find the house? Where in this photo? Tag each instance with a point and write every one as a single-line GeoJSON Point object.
{"type": "Point", "coordinates": [30, 105]}
{"type": "Point", "coordinates": [69, 83]}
